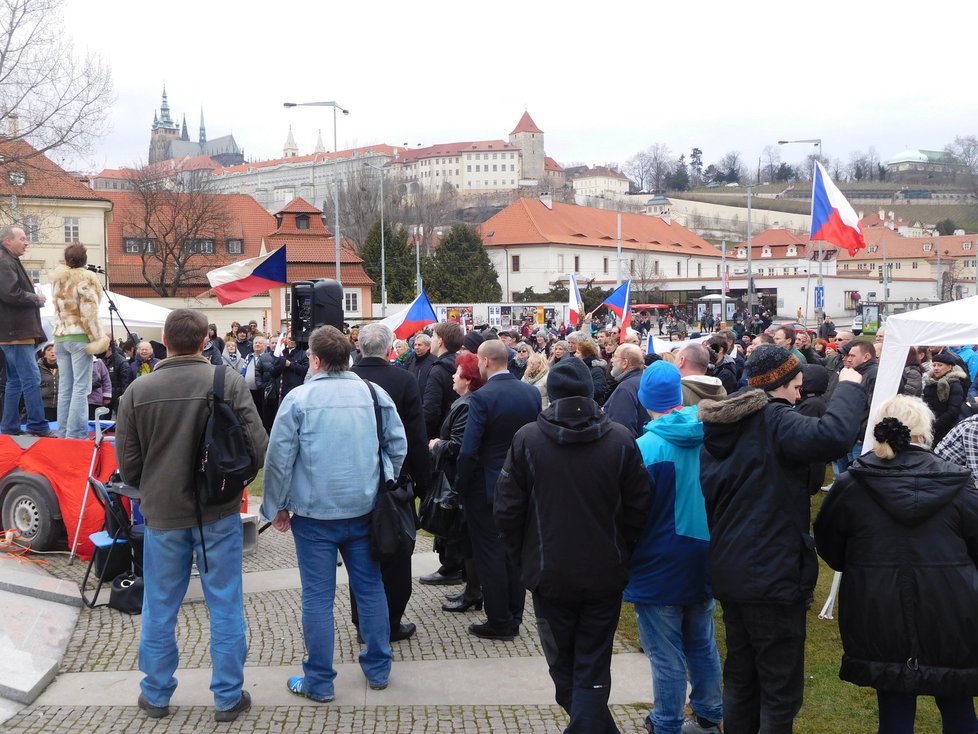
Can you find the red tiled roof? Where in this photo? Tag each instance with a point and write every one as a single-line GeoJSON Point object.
{"type": "Point", "coordinates": [530, 222]}
{"type": "Point", "coordinates": [353, 275]}
{"type": "Point", "coordinates": [311, 247]}
{"type": "Point", "coordinates": [299, 206]}
{"type": "Point", "coordinates": [389, 150]}
{"type": "Point", "coordinates": [551, 165]}
{"type": "Point", "coordinates": [604, 172]}
{"type": "Point", "coordinates": [526, 125]}
{"type": "Point", "coordinates": [42, 178]}
{"type": "Point", "coordinates": [163, 169]}
{"type": "Point", "coordinates": [894, 247]}
{"type": "Point", "coordinates": [453, 149]}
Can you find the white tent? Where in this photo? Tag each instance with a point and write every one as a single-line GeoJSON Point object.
{"type": "Point", "coordinates": [137, 314]}
{"type": "Point", "coordinates": [946, 325]}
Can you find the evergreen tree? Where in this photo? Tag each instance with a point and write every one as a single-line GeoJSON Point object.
{"type": "Point", "coordinates": [400, 263]}
{"type": "Point", "coordinates": [460, 270]}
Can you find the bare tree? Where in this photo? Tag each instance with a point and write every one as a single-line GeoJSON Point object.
{"type": "Point", "coordinates": [771, 159]}
{"type": "Point", "coordinates": [359, 197]}
{"type": "Point", "coordinates": [638, 169]}
{"type": "Point", "coordinates": [179, 227]}
{"type": "Point", "coordinates": [660, 164]}
{"type": "Point", "coordinates": [964, 151]}
{"type": "Point", "coordinates": [646, 273]}
{"type": "Point", "coordinates": [49, 96]}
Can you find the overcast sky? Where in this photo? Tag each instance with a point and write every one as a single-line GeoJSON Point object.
{"type": "Point", "coordinates": [602, 80]}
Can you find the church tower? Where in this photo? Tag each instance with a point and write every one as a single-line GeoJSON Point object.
{"type": "Point", "coordinates": [291, 150]}
{"type": "Point", "coordinates": [202, 137]}
{"type": "Point", "coordinates": [529, 139]}
{"type": "Point", "coordinates": [164, 131]}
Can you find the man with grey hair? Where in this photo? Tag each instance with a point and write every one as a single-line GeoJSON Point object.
{"type": "Point", "coordinates": [20, 333]}
{"type": "Point", "coordinates": [375, 344]}
{"type": "Point", "coordinates": [693, 362]}
{"type": "Point", "coordinates": [623, 406]}
{"type": "Point", "coordinates": [420, 362]}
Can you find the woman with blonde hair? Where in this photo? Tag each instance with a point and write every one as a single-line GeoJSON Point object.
{"type": "Point", "coordinates": [559, 350]}
{"type": "Point", "coordinates": [537, 369]}
{"type": "Point", "coordinates": [902, 526]}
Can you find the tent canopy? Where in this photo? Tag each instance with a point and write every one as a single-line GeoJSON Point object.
{"type": "Point", "coordinates": [137, 314]}
{"type": "Point", "coordinates": [945, 325]}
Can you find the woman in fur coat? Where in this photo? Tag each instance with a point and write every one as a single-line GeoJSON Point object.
{"type": "Point", "coordinates": [77, 336]}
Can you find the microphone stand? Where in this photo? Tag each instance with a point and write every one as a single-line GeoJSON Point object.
{"type": "Point", "coordinates": [113, 309]}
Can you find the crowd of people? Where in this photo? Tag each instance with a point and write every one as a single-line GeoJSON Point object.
{"type": "Point", "coordinates": [588, 472]}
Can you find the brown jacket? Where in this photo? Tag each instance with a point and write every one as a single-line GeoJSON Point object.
{"type": "Point", "coordinates": [20, 313]}
{"type": "Point", "coordinates": [161, 418]}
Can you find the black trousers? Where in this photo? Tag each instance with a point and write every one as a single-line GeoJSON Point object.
{"type": "Point", "coordinates": [396, 573]}
{"type": "Point", "coordinates": [764, 671]}
{"type": "Point", "coordinates": [577, 639]}
{"type": "Point", "coordinates": [502, 587]}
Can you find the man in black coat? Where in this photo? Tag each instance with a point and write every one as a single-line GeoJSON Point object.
{"type": "Point", "coordinates": [754, 470]}
{"type": "Point", "coordinates": [375, 344]}
{"type": "Point", "coordinates": [438, 394]}
{"type": "Point", "coordinates": [497, 411]}
{"type": "Point", "coordinates": [556, 488]}
{"type": "Point", "coordinates": [420, 362]}
{"type": "Point", "coordinates": [623, 406]}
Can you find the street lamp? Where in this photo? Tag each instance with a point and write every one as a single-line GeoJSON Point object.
{"type": "Point", "coordinates": [817, 142]}
{"type": "Point", "coordinates": [383, 258]}
{"type": "Point", "coordinates": [336, 181]}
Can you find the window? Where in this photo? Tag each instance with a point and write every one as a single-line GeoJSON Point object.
{"type": "Point", "coordinates": [478, 167]}
{"type": "Point", "coordinates": [17, 178]}
{"type": "Point", "coordinates": [770, 271]}
{"type": "Point", "coordinates": [786, 271]}
{"type": "Point", "coordinates": [72, 227]}
{"type": "Point", "coordinates": [965, 245]}
{"type": "Point", "coordinates": [512, 167]}
{"type": "Point", "coordinates": [699, 270]}
{"type": "Point", "coordinates": [718, 269]}
{"type": "Point", "coordinates": [138, 245]}
{"type": "Point", "coordinates": [302, 221]}
{"type": "Point", "coordinates": [560, 263]}
{"type": "Point", "coordinates": [655, 267]}
{"type": "Point", "coordinates": [494, 167]}
{"type": "Point", "coordinates": [34, 274]}
{"type": "Point", "coordinates": [913, 265]}
{"type": "Point", "coordinates": [32, 228]}
{"type": "Point", "coordinates": [679, 269]}
{"type": "Point", "coordinates": [577, 263]}
{"type": "Point", "coordinates": [235, 247]}
{"type": "Point", "coordinates": [605, 264]}
{"type": "Point", "coordinates": [516, 263]}
{"type": "Point", "coordinates": [351, 301]}
{"type": "Point", "coordinates": [927, 246]}
{"type": "Point", "coordinates": [200, 247]}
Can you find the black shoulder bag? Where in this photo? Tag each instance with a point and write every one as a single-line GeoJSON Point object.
{"type": "Point", "coordinates": [392, 522]}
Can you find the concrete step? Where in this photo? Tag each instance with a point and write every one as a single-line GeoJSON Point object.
{"type": "Point", "coordinates": [36, 583]}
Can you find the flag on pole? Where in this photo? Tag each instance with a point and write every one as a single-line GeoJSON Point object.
{"type": "Point", "coordinates": [416, 316]}
{"type": "Point", "coordinates": [833, 218]}
{"type": "Point", "coordinates": [620, 303]}
{"type": "Point", "coordinates": [575, 306]}
{"type": "Point", "coordinates": [246, 278]}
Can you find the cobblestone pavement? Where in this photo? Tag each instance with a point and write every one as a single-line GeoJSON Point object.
{"type": "Point", "coordinates": [300, 719]}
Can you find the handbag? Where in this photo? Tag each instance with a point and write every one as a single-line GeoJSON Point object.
{"type": "Point", "coordinates": [126, 594]}
{"type": "Point", "coordinates": [441, 514]}
{"type": "Point", "coordinates": [393, 526]}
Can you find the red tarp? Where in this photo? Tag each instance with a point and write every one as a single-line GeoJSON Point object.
{"type": "Point", "coordinates": [64, 462]}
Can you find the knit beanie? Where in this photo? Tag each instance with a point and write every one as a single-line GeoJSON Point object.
{"type": "Point", "coordinates": [472, 340]}
{"type": "Point", "coordinates": [770, 366]}
{"type": "Point", "coordinates": [661, 387]}
{"type": "Point", "coordinates": [569, 378]}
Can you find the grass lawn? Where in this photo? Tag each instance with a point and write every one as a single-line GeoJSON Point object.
{"type": "Point", "coordinates": [831, 705]}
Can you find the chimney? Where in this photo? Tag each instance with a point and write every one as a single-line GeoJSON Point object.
{"type": "Point", "coordinates": [13, 122]}
{"type": "Point", "coordinates": [547, 199]}
{"type": "Point", "coordinates": [882, 215]}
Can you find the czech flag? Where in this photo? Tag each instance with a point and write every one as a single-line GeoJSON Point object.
{"type": "Point", "coordinates": [412, 319]}
{"type": "Point", "coordinates": [833, 218]}
{"type": "Point", "coordinates": [620, 303]}
{"type": "Point", "coordinates": [247, 278]}
{"type": "Point", "coordinates": [575, 305]}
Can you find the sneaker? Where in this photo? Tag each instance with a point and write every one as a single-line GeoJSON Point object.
{"type": "Point", "coordinates": [243, 704]}
{"type": "Point", "coordinates": [297, 685]}
{"type": "Point", "coordinates": [43, 434]}
{"type": "Point", "coordinates": [379, 686]}
{"type": "Point", "coordinates": [696, 725]}
{"type": "Point", "coordinates": [153, 712]}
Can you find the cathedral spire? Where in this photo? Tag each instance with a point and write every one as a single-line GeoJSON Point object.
{"type": "Point", "coordinates": [203, 134]}
{"type": "Point", "coordinates": [165, 109]}
{"type": "Point", "coordinates": [183, 132]}
{"type": "Point", "coordinates": [320, 148]}
{"type": "Point", "coordinates": [291, 150]}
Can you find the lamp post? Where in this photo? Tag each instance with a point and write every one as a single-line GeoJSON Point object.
{"type": "Point", "coordinates": [336, 178]}
{"type": "Point", "coordinates": [383, 257]}
{"type": "Point", "coordinates": [817, 142]}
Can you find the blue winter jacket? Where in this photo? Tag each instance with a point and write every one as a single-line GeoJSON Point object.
{"type": "Point", "coordinates": [669, 564]}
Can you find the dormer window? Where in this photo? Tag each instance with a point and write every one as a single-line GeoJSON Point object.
{"type": "Point", "coordinates": [302, 221]}
{"type": "Point", "coordinates": [766, 252]}
{"type": "Point", "coordinates": [17, 178]}
{"type": "Point", "coordinates": [965, 245]}
{"type": "Point", "coordinates": [872, 248]}
{"type": "Point", "coordinates": [792, 252]}
{"type": "Point", "coordinates": [741, 252]}
{"type": "Point", "coordinates": [927, 246]}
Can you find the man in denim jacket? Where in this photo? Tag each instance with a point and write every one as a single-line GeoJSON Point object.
{"type": "Point", "coordinates": [326, 499]}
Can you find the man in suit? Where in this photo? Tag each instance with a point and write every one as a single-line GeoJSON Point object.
{"type": "Point", "coordinates": [496, 412]}
{"type": "Point", "coordinates": [375, 343]}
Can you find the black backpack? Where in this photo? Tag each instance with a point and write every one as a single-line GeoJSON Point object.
{"type": "Point", "coordinates": [224, 466]}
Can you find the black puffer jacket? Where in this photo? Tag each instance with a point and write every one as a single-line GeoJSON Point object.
{"type": "Point", "coordinates": [905, 534]}
{"type": "Point", "coordinates": [754, 470]}
{"type": "Point", "coordinates": [438, 393]}
{"type": "Point", "coordinates": [573, 474]}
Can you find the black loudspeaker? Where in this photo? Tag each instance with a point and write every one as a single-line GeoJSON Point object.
{"type": "Point", "coordinates": [316, 303]}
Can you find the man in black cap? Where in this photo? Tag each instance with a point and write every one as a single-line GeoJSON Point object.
{"type": "Point", "coordinates": [554, 491]}
{"type": "Point", "coordinates": [755, 478]}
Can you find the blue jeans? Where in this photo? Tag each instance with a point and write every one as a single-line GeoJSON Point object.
{"type": "Point", "coordinates": [23, 380]}
{"type": "Point", "coordinates": [167, 558]}
{"type": "Point", "coordinates": [841, 465]}
{"type": "Point", "coordinates": [74, 385]}
{"type": "Point", "coordinates": [316, 543]}
{"type": "Point", "coordinates": [680, 641]}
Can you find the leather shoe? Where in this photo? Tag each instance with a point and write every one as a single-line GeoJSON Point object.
{"type": "Point", "coordinates": [488, 632]}
{"type": "Point", "coordinates": [243, 704]}
{"type": "Point", "coordinates": [441, 579]}
{"type": "Point", "coordinates": [455, 597]}
{"type": "Point", "coordinates": [463, 605]}
{"type": "Point", "coordinates": [404, 631]}
{"type": "Point", "coordinates": [153, 712]}
{"type": "Point", "coordinates": [42, 434]}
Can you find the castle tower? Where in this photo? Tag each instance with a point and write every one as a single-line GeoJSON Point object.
{"type": "Point", "coordinates": [529, 139]}
{"type": "Point", "coordinates": [291, 150]}
{"type": "Point", "coordinates": [164, 131]}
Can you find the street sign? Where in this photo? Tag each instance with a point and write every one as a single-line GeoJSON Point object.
{"type": "Point", "coordinates": [820, 296]}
